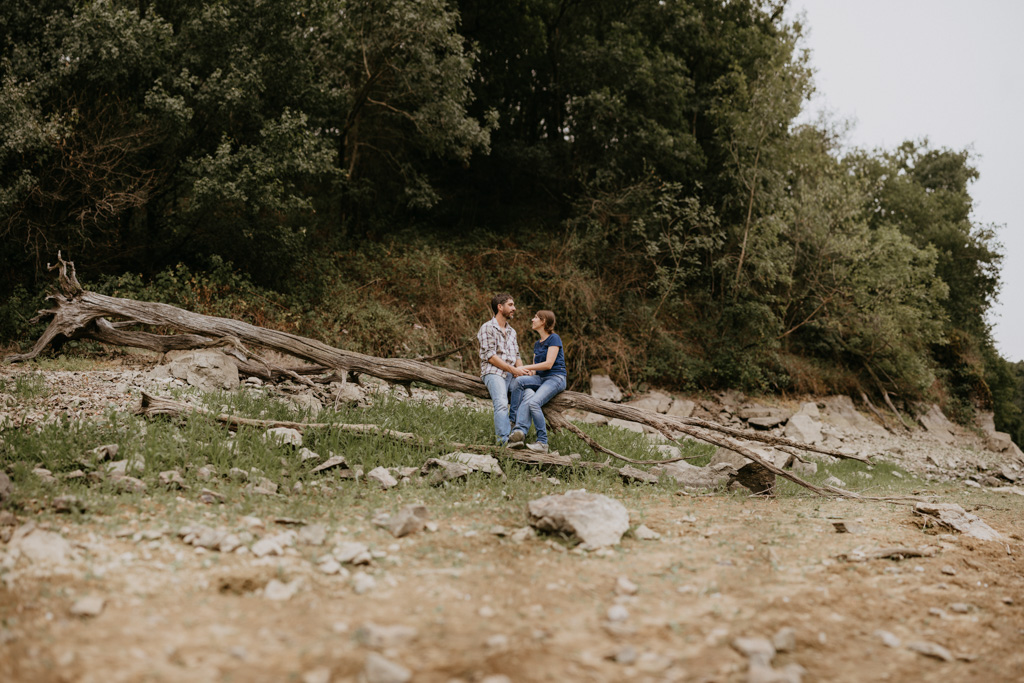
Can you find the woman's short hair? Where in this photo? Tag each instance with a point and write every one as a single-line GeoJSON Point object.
{"type": "Point", "coordinates": [548, 318]}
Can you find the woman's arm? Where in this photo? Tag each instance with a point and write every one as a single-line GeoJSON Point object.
{"type": "Point", "coordinates": [547, 364]}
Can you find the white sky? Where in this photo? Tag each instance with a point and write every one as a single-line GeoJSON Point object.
{"type": "Point", "coordinates": [948, 70]}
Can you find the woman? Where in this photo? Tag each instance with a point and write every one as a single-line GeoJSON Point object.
{"type": "Point", "coordinates": [531, 392]}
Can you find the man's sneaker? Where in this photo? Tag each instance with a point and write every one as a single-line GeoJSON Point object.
{"type": "Point", "coordinates": [538, 447]}
{"type": "Point", "coordinates": [517, 439]}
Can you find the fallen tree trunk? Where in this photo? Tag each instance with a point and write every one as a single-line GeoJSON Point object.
{"type": "Point", "coordinates": [78, 311]}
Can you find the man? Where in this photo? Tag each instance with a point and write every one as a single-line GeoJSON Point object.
{"type": "Point", "coordinates": [499, 360]}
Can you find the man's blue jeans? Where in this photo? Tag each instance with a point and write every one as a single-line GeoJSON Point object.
{"type": "Point", "coordinates": [497, 387]}
{"type": "Point", "coordinates": [529, 394]}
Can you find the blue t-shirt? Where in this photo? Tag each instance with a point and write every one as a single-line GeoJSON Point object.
{"type": "Point", "coordinates": [540, 354]}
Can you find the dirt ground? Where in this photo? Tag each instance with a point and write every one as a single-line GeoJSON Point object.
{"type": "Point", "coordinates": [463, 603]}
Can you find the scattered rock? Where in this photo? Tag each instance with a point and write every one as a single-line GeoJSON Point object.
{"type": "Point", "coordinates": [803, 428]}
{"type": "Point", "coordinates": [408, 520]}
{"type": "Point", "coordinates": [929, 649]}
{"type": "Point", "coordinates": [206, 369]}
{"type": "Point", "coordinates": [595, 519]}
{"type": "Point", "coordinates": [802, 468]}
{"type": "Point", "coordinates": [633, 474]}
{"type": "Point", "coordinates": [937, 425]}
{"type": "Point", "coordinates": [332, 462]}
{"type": "Point", "coordinates": [955, 517]}
{"type": "Point", "coordinates": [623, 586]}
{"type": "Point", "coordinates": [644, 533]}
{"type": "Point", "coordinates": [836, 482]}
{"type": "Point", "coordinates": [352, 552]}
{"type": "Point", "coordinates": [91, 606]}
{"type": "Point", "coordinates": [438, 471]}
{"type": "Point", "coordinates": [363, 583]}
{"type": "Point", "coordinates": [383, 477]}
{"type": "Point", "coordinates": [693, 477]}
{"type": "Point", "coordinates": [477, 462]}
{"type": "Point", "coordinates": [846, 527]}
{"type": "Point", "coordinates": [889, 639]}
{"type": "Point", "coordinates": [171, 479]}
{"type": "Point", "coordinates": [603, 388]}
{"type": "Point", "coordinates": [283, 436]}
{"type": "Point", "coordinates": [784, 639]}
{"type": "Point", "coordinates": [39, 546]}
{"type": "Point", "coordinates": [281, 591]}
{"type": "Point", "coordinates": [378, 669]}
{"type": "Point", "coordinates": [67, 504]}
{"type": "Point", "coordinates": [381, 637]}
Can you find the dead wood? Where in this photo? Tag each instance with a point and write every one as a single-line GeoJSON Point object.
{"type": "Point", "coordinates": [871, 407]}
{"type": "Point", "coordinates": [77, 311]}
{"type": "Point", "coordinates": [897, 553]}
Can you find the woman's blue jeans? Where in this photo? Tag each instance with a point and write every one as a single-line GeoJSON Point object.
{"type": "Point", "coordinates": [529, 394]}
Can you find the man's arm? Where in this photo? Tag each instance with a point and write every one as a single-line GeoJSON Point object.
{"type": "Point", "coordinates": [516, 370]}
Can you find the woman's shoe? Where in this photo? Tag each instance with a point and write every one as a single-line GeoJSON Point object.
{"type": "Point", "coordinates": [517, 439]}
{"type": "Point", "coordinates": [538, 447]}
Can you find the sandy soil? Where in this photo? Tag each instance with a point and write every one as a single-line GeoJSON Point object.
{"type": "Point", "coordinates": [475, 605]}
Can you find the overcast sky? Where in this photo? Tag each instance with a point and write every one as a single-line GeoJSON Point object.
{"type": "Point", "coordinates": [948, 70]}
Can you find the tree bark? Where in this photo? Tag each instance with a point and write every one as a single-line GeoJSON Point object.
{"type": "Point", "coordinates": [82, 314]}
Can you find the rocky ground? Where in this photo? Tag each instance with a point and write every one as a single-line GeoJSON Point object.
{"type": "Point", "coordinates": [702, 586]}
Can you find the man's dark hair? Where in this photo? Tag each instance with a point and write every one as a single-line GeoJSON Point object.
{"type": "Point", "coordinates": [498, 300]}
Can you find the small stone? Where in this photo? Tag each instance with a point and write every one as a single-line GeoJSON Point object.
{"type": "Point", "coordinates": [68, 503]}
{"type": "Point", "coordinates": [335, 461]}
{"type": "Point", "coordinates": [835, 481]}
{"type": "Point", "coordinates": [625, 656]}
{"type": "Point", "coordinates": [320, 674]}
{"type": "Point", "coordinates": [759, 651]}
{"type": "Point", "coordinates": [363, 583]}
{"type": "Point", "coordinates": [617, 613]}
{"type": "Point", "coordinates": [44, 475]}
{"type": "Point", "coordinates": [889, 639]}
{"type": "Point", "coordinates": [623, 586]}
{"type": "Point", "coordinates": [846, 527]}
{"type": "Point", "coordinates": [378, 669]}
{"type": "Point", "coordinates": [211, 497]}
{"type": "Point", "coordinates": [948, 570]}
{"type": "Point", "coordinates": [498, 641]}
{"type": "Point", "coordinates": [91, 606]}
{"type": "Point", "coordinates": [329, 566]}
{"type": "Point", "coordinates": [961, 607]}
{"type": "Point", "coordinates": [383, 477]}
{"type": "Point", "coordinates": [929, 649]}
{"type": "Point", "coordinates": [171, 479]}
{"type": "Point", "coordinates": [381, 637]}
{"type": "Point", "coordinates": [283, 436]}
{"type": "Point", "coordinates": [784, 639]}
{"type": "Point", "coordinates": [266, 546]}
{"type": "Point", "coordinates": [644, 533]}
{"type": "Point", "coordinates": [352, 552]}
{"type": "Point", "coordinates": [206, 473]}
{"type": "Point", "coordinates": [280, 591]}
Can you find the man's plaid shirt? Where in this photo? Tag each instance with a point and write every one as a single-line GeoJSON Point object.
{"type": "Point", "coordinates": [496, 341]}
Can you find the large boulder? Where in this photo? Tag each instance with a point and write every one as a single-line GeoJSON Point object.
{"type": "Point", "coordinates": [595, 519]}
{"type": "Point", "coordinates": [841, 413]}
{"type": "Point", "coordinates": [654, 402]}
{"type": "Point", "coordinates": [602, 387]}
{"type": "Point", "coordinates": [205, 369]}
{"type": "Point", "coordinates": [937, 425]}
{"type": "Point", "coordinates": [804, 429]}
{"type": "Point", "coordinates": [697, 478]}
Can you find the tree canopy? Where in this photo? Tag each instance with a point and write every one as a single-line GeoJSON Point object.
{"type": "Point", "coordinates": [635, 165]}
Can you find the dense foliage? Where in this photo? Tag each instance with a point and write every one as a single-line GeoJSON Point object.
{"type": "Point", "coordinates": [377, 167]}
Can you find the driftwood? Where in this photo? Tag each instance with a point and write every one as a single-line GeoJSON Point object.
{"type": "Point", "coordinates": [79, 313]}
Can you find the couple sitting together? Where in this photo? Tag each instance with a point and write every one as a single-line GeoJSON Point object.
{"type": "Point", "coordinates": [530, 386]}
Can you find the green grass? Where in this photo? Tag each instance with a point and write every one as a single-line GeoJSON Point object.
{"type": "Point", "coordinates": [187, 444]}
{"type": "Point", "coordinates": [25, 386]}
